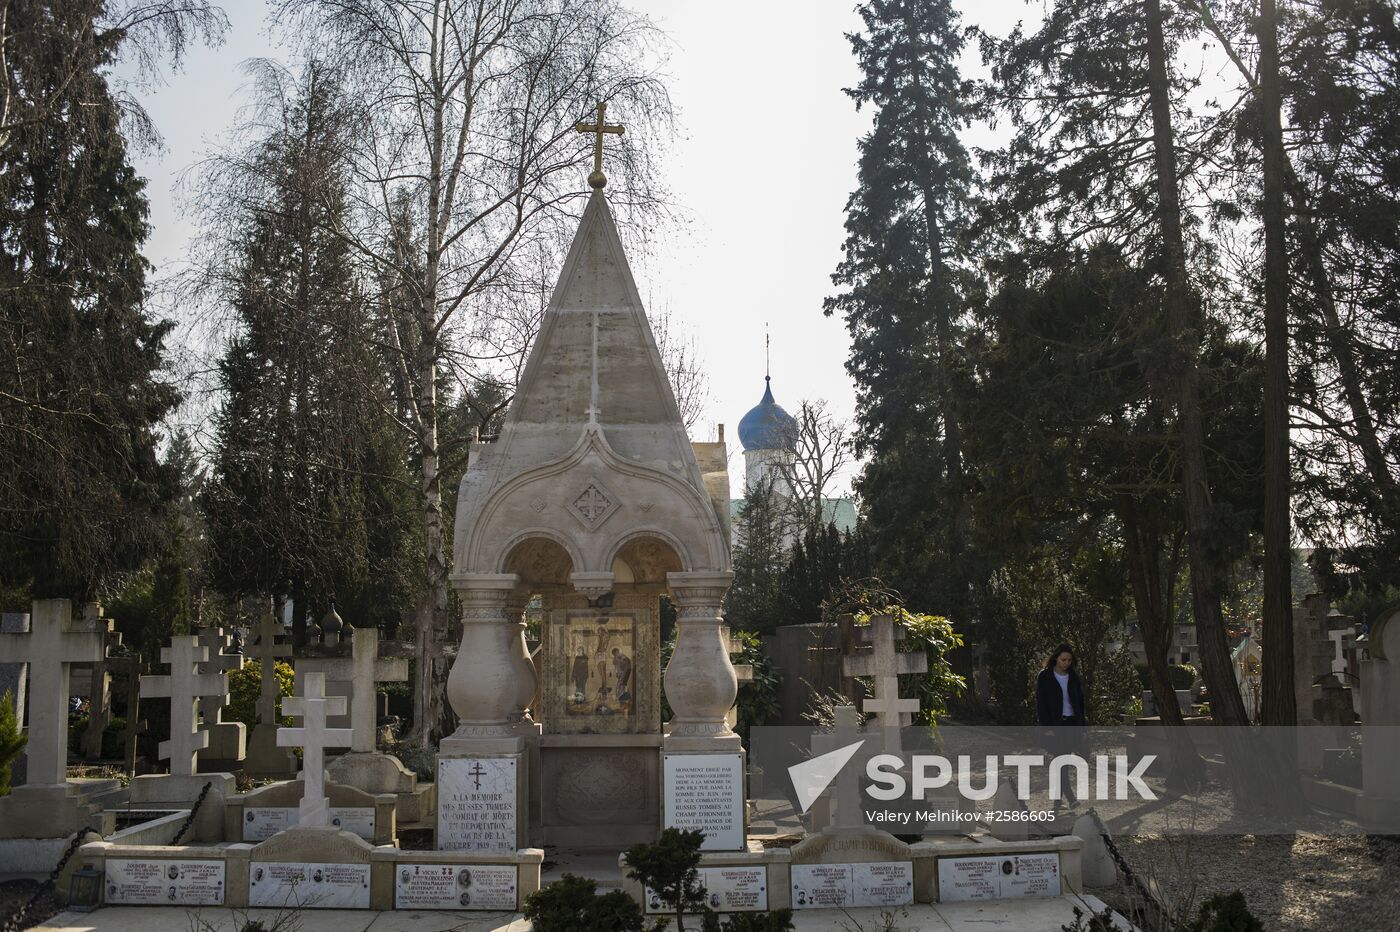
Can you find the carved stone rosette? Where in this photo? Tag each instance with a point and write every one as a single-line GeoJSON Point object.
{"type": "Point", "coordinates": [485, 685]}
{"type": "Point", "coordinates": [700, 680]}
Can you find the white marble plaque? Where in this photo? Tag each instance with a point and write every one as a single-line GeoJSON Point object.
{"type": "Point", "coordinates": [821, 886]}
{"type": "Point", "coordinates": [706, 791]}
{"type": "Point", "coordinates": [455, 886]}
{"type": "Point", "coordinates": [995, 878]}
{"type": "Point", "coordinates": [261, 823]}
{"type": "Point", "coordinates": [727, 890]}
{"type": "Point", "coordinates": [831, 886]}
{"type": "Point", "coordinates": [320, 886]}
{"type": "Point", "coordinates": [882, 883]}
{"type": "Point", "coordinates": [477, 804]}
{"type": "Point", "coordinates": [172, 883]}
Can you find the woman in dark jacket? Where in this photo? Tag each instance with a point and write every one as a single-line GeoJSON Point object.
{"type": "Point", "coordinates": [1059, 706]}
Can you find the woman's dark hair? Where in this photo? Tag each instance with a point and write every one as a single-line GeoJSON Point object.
{"type": "Point", "coordinates": [1062, 649]}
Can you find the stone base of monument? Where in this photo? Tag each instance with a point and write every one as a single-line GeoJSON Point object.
{"type": "Point", "coordinates": [481, 794]}
{"type": "Point", "coordinates": [261, 814]}
{"type": "Point", "coordinates": [228, 747]}
{"type": "Point", "coordinates": [376, 772]}
{"type": "Point", "coordinates": [265, 758]}
{"type": "Point", "coordinates": [171, 791]}
{"type": "Point", "coordinates": [54, 810]}
{"type": "Point", "coordinates": [315, 868]}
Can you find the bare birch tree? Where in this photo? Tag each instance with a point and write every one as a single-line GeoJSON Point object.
{"type": "Point", "coordinates": [822, 450]}
{"type": "Point", "coordinates": [465, 156]}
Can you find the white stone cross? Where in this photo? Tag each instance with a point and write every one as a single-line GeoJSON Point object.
{"type": "Point", "coordinates": [846, 732]}
{"type": "Point", "coordinates": [369, 669]}
{"type": "Point", "coordinates": [183, 687]}
{"type": "Point", "coordinates": [55, 641]}
{"type": "Point", "coordinates": [313, 737]}
{"type": "Point", "coordinates": [215, 641]}
{"type": "Point", "coordinates": [884, 665]}
{"type": "Point", "coordinates": [267, 651]}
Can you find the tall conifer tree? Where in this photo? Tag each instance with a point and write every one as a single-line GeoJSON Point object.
{"type": "Point", "coordinates": [902, 301]}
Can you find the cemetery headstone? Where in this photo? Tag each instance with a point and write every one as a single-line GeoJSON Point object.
{"type": "Point", "coordinates": [227, 740]}
{"type": "Point", "coordinates": [183, 686]}
{"type": "Point", "coordinates": [265, 757]}
{"type": "Point", "coordinates": [884, 664]}
{"type": "Point", "coordinates": [313, 737]}
{"type": "Point", "coordinates": [48, 806]}
{"type": "Point", "coordinates": [100, 692]}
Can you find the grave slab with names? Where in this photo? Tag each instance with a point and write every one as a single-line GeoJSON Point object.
{"type": "Point", "coordinates": [854, 885]}
{"type": "Point", "coordinates": [477, 804]}
{"type": "Point", "coordinates": [998, 877]}
{"type": "Point", "coordinates": [456, 886]}
{"type": "Point", "coordinates": [730, 889]}
{"type": "Point", "coordinates": [706, 792]}
{"type": "Point", "coordinates": [310, 885]}
{"type": "Point", "coordinates": [164, 882]}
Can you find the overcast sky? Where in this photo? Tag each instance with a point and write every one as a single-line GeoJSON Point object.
{"type": "Point", "coordinates": [763, 165]}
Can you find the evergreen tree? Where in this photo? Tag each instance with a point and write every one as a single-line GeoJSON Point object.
{"type": "Point", "coordinates": [309, 495]}
{"type": "Point", "coordinates": [903, 300]}
{"type": "Point", "coordinates": [754, 601]}
{"type": "Point", "coordinates": [81, 395]}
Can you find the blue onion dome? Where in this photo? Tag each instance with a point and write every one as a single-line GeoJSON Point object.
{"type": "Point", "coordinates": [767, 426]}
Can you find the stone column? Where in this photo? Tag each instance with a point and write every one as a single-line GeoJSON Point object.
{"type": "Point", "coordinates": [485, 686]}
{"type": "Point", "coordinates": [700, 681]}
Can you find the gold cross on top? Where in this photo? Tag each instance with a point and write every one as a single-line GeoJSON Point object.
{"type": "Point", "coordinates": [598, 179]}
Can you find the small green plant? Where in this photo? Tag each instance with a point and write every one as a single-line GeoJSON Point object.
{"type": "Point", "coordinates": [1091, 922]}
{"type": "Point", "coordinates": [779, 920]}
{"type": "Point", "coordinates": [573, 903]}
{"type": "Point", "coordinates": [245, 687]}
{"type": "Point", "coordinates": [1225, 912]}
{"type": "Point", "coordinates": [11, 740]}
{"type": "Point", "coordinates": [668, 869]}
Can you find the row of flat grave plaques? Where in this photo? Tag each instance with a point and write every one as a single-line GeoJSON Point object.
{"type": "Point", "coordinates": [132, 882]}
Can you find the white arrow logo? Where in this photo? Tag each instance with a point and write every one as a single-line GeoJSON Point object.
{"type": "Point", "coordinates": [811, 778]}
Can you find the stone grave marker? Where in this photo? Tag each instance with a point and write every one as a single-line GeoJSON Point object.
{"type": "Point", "coordinates": [132, 668]}
{"type": "Point", "coordinates": [100, 698]}
{"type": "Point", "coordinates": [265, 757]}
{"type": "Point", "coordinates": [183, 686]}
{"type": "Point", "coordinates": [54, 643]}
{"type": "Point", "coordinates": [884, 665]}
{"type": "Point", "coordinates": [313, 737]}
{"type": "Point", "coordinates": [227, 740]}
{"type": "Point", "coordinates": [848, 803]}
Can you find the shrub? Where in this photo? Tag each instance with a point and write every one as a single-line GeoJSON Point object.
{"type": "Point", "coordinates": [1182, 675]}
{"type": "Point", "coordinates": [11, 740]}
{"type": "Point", "coordinates": [245, 686]}
{"type": "Point", "coordinates": [572, 903]}
{"type": "Point", "coordinates": [1225, 912]}
{"type": "Point", "coordinates": [668, 868]}
{"type": "Point", "coordinates": [760, 701]}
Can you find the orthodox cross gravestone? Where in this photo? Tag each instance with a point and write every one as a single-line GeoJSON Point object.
{"type": "Point", "coordinates": [54, 643]}
{"type": "Point", "coordinates": [265, 757]}
{"type": "Point", "coordinates": [227, 740]}
{"type": "Point", "coordinates": [368, 669]}
{"type": "Point", "coordinates": [884, 665]}
{"type": "Point", "coordinates": [847, 731]}
{"type": "Point", "coordinates": [132, 669]}
{"type": "Point", "coordinates": [313, 737]}
{"type": "Point", "coordinates": [100, 692]}
{"type": "Point", "coordinates": [183, 687]}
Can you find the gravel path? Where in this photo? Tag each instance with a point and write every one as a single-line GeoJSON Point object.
{"type": "Point", "coordinates": [1319, 883]}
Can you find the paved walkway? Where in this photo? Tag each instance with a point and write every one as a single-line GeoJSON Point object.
{"type": "Point", "coordinates": [1029, 915]}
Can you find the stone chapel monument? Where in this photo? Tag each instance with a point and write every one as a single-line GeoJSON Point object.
{"type": "Point", "coordinates": [594, 500]}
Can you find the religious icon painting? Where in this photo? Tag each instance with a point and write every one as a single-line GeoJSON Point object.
{"type": "Point", "coordinates": [594, 679]}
